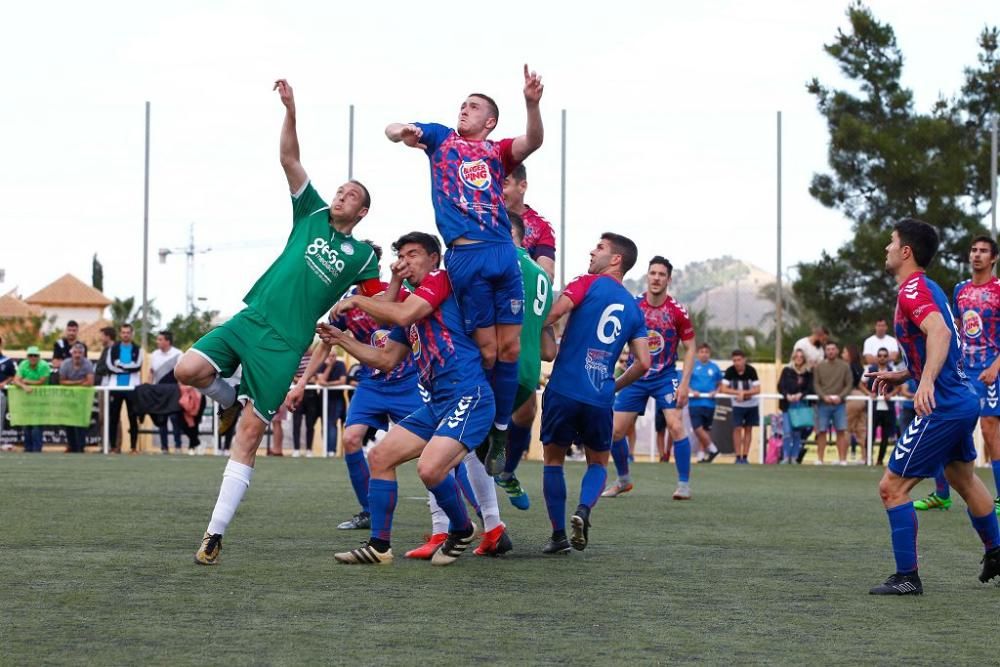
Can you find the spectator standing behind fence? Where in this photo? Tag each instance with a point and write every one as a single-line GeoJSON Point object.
{"type": "Point", "coordinates": [333, 372]}
{"type": "Point", "coordinates": [102, 376]}
{"type": "Point", "coordinates": [833, 381]}
{"type": "Point", "coordinates": [308, 410]}
{"type": "Point", "coordinates": [76, 371]}
{"type": "Point", "coordinates": [794, 384]}
{"type": "Point", "coordinates": [884, 414]}
{"type": "Point", "coordinates": [62, 348]}
{"type": "Point", "coordinates": [8, 369]}
{"type": "Point", "coordinates": [706, 377]}
{"type": "Point", "coordinates": [32, 372]}
{"type": "Point", "coordinates": [857, 411]}
{"type": "Point", "coordinates": [161, 371]}
{"type": "Point", "coordinates": [124, 361]}
{"type": "Point", "coordinates": [880, 339]}
{"type": "Point", "coordinates": [812, 345]}
{"type": "Point", "coordinates": [743, 385]}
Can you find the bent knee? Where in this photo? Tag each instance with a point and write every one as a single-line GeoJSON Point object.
{"type": "Point", "coordinates": [509, 350]}
{"type": "Point", "coordinates": [430, 474]}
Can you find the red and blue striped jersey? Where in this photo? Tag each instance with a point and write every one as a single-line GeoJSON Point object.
{"type": "Point", "coordinates": [977, 312]}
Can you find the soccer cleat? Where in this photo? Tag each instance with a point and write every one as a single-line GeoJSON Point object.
{"type": "Point", "coordinates": [366, 555]}
{"type": "Point", "coordinates": [427, 549]}
{"type": "Point", "coordinates": [208, 552]}
{"type": "Point", "coordinates": [617, 489]}
{"type": "Point", "coordinates": [710, 456]}
{"type": "Point", "coordinates": [360, 521]}
{"type": "Point", "coordinates": [899, 584]}
{"type": "Point", "coordinates": [517, 496]}
{"type": "Point", "coordinates": [496, 457]}
{"type": "Point", "coordinates": [579, 525]}
{"type": "Point", "coordinates": [991, 565]}
{"type": "Point", "coordinates": [227, 417]}
{"type": "Point", "coordinates": [454, 546]}
{"type": "Point", "coordinates": [932, 502]}
{"type": "Point", "coordinates": [556, 546]}
{"type": "Point", "coordinates": [495, 542]}
{"type": "Point", "coordinates": [683, 491]}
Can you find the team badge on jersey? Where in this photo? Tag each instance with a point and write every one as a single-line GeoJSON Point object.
{"type": "Point", "coordinates": [475, 174]}
{"type": "Point", "coordinates": [596, 366]}
{"type": "Point", "coordinates": [515, 306]}
{"type": "Point", "coordinates": [972, 324]}
{"type": "Point", "coordinates": [655, 341]}
{"type": "Point", "coordinates": [347, 248]}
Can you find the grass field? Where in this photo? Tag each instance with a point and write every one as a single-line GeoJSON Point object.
{"type": "Point", "coordinates": [767, 564]}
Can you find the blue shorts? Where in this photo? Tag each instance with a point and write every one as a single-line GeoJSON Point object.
{"type": "Point", "coordinates": [460, 411]}
{"type": "Point", "coordinates": [566, 421]}
{"type": "Point", "coordinates": [831, 416]}
{"type": "Point", "coordinates": [746, 416]}
{"type": "Point", "coordinates": [701, 416]}
{"type": "Point", "coordinates": [375, 404]}
{"type": "Point", "coordinates": [989, 395]}
{"type": "Point", "coordinates": [929, 443]}
{"type": "Point", "coordinates": [633, 398]}
{"type": "Point", "coordinates": [486, 280]}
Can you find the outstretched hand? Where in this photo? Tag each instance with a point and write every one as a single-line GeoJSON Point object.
{"type": "Point", "coordinates": [410, 135]}
{"type": "Point", "coordinates": [285, 93]}
{"type": "Point", "coordinates": [532, 86]}
{"type": "Point", "coordinates": [329, 334]}
{"type": "Point", "coordinates": [342, 307]}
{"type": "Point", "coordinates": [886, 381]}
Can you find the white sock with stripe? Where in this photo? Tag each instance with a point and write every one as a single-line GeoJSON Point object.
{"type": "Point", "coordinates": [235, 482]}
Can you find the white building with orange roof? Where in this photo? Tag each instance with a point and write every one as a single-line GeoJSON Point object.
{"type": "Point", "coordinates": [69, 298]}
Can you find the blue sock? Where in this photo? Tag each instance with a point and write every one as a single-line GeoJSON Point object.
{"type": "Point", "coordinates": [593, 484]}
{"type": "Point", "coordinates": [943, 489]}
{"type": "Point", "coordinates": [619, 452]}
{"type": "Point", "coordinates": [462, 476]}
{"type": "Point", "coordinates": [382, 500]}
{"type": "Point", "coordinates": [682, 458]}
{"type": "Point", "coordinates": [903, 525]}
{"type": "Point", "coordinates": [504, 390]}
{"type": "Point", "coordinates": [996, 475]}
{"type": "Point", "coordinates": [449, 499]}
{"type": "Point", "coordinates": [554, 490]}
{"type": "Point", "coordinates": [518, 442]}
{"type": "Point", "coordinates": [357, 469]}
{"type": "Point", "coordinates": [988, 529]}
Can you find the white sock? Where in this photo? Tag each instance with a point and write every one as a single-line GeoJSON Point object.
{"type": "Point", "coordinates": [221, 392]}
{"type": "Point", "coordinates": [235, 481]}
{"type": "Point", "coordinates": [439, 520]}
{"type": "Point", "coordinates": [485, 490]}
{"type": "Point", "coordinates": [712, 448]}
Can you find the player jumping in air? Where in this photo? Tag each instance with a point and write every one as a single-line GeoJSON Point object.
{"type": "Point", "coordinates": [577, 404]}
{"type": "Point", "coordinates": [467, 175]}
{"type": "Point", "coordinates": [946, 405]}
{"type": "Point", "coordinates": [320, 261]}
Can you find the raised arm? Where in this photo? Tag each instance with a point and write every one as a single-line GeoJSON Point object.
{"type": "Point", "coordinates": [534, 134]}
{"type": "Point", "coordinates": [289, 146]}
{"type": "Point", "coordinates": [383, 358]}
{"type": "Point", "coordinates": [405, 132]}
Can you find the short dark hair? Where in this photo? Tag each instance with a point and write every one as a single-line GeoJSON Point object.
{"type": "Point", "coordinates": [109, 332]}
{"type": "Point", "coordinates": [831, 342]}
{"type": "Point", "coordinates": [428, 242]}
{"type": "Point", "coordinates": [881, 350]}
{"type": "Point", "coordinates": [922, 239]}
{"type": "Point", "coordinates": [169, 335]}
{"type": "Point", "coordinates": [738, 353]}
{"type": "Point", "coordinates": [376, 247]}
{"type": "Point", "coordinates": [705, 346]}
{"type": "Point", "coordinates": [660, 259]}
{"type": "Point", "coordinates": [72, 323]}
{"type": "Point", "coordinates": [520, 173]}
{"type": "Point", "coordinates": [516, 225]}
{"type": "Point", "coordinates": [624, 246]}
{"type": "Point", "coordinates": [126, 325]}
{"type": "Point", "coordinates": [490, 102]}
{"type": "Point", "coordinates": [983, 238]}
{"type": "Point", "coordinates": [881, 319]}
{"type": "Point", "coordinates": [368, 196]}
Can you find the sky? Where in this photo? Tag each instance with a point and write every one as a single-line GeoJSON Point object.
{"type": "Point", "coordinates": [671, 124]}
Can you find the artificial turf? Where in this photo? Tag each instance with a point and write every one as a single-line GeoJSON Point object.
{"type": "Point", "coordinates": [766, 564]}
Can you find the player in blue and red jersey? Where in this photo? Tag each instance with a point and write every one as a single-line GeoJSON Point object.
{"type": "Point", "coordinates": [539, 237]}
{"type": "Point", "coordinates": [444, 430]}
{"type": "Point", "coordinates": [668, 326]}
{"type": "Point", "coordinates": [467, 174]}
{"type": "Point", "coordinates": [577, 404]}
{"type": "Point", "coordinates": [946, 407]}
{"type": "Point", "coordinates": [977, 313]}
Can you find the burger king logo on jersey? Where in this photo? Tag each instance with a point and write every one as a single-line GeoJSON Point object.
{"type": "Point", "coordinates": [475, 174]}
{"type": "Point", "coordinates": [972, 325]}
{"type": "Point", "coordinates": [655, 341]}
{"type": "Point", "coordinates": [414, 341]}
{"type": "Point", "coordinates": [379, 338]}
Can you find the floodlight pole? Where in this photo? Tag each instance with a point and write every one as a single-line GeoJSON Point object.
{"type": "Point", "coordinates": [562, 207]}
{"type": "Point", "coordinates": [144, 334]}
{"type": "Point", "coordinates": [778, 296]}
{"type": "Point", "coordinates": [350, 144]}
{"type": "Point", "coordinates": [993, 176]}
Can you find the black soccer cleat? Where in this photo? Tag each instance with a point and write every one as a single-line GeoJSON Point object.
{"type": "Point", "coordinates": [496, 457]}
{"type": "Point", "coordinates": [900, 584]}
{"type": "Point", "coordinates": [556, 546]}
{"type": "Point", "coordinates": [991, 565]}
{"type": "Point", "coordinates": [360, 521]}
{"type": "Point", "coordinates": [579, 525]}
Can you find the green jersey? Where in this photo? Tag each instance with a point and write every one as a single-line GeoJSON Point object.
{"type": "Point", "coordinates": [316, 268]}
{"type": "Point", "coordinates": [537, 304]}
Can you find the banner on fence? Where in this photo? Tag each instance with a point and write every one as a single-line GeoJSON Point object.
{"type": "Point", "coordinates": [51, 406]}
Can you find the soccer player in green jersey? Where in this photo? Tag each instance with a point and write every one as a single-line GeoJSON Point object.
{"type": "Point", "coordinates": [537, 344]}
{"type": "Point", "coordinates": [320, 262]}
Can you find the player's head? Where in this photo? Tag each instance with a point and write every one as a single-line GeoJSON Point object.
{"type": "Point", "coordinates": [704, 352]}
{"type": "Point", "coordinates": [615, 254]}
{"type": "Point", "coordinates": [658, 275]}
{"type": "Point", "coordinates": [478, 116]}
{"type": "Point", "coordinates": [983, 253]}
{"type": "Point", "coordinates": [515, 184]}
{"type": "Point", "coordinates": [350, 203]}
{"type": "Point", "coordinates": [912, 246]}
{"type": "Point", "coordinates": [421, 252]}
{"type": "Point", "coordinates": [739, 360]}
{"type": "Point", "coordinates": [516, 228]}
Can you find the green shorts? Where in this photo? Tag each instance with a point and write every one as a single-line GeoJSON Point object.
{"type": "Point", "coordinates": [524, 394]}
{"type": "Point", "coordinates": [269, 362]}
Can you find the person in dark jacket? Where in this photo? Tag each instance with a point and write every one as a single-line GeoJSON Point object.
{"type": "Point", "coordinates": [794, 384]}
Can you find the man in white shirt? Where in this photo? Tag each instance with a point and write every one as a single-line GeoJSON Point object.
{"type": "Point", "coordinates": [880, 339]}
{"type": "Point", "coordinates": [812, 345]}
{"type": "Point", "coordinates": [164, 357]}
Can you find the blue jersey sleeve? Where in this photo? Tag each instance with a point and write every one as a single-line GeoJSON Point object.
{"type": "Point", "coordinates": [433, 135]}
{"type": "Point", "coordinates": [400, 335]}
{"type": "Point", "coordinates": [638, 325]}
